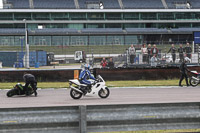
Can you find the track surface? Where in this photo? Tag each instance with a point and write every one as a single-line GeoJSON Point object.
{"type": "Point", "coordinates": [61, 97]}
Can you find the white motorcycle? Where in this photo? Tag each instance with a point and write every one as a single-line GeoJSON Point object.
{"type": "Point", "coordinates": [98, 87]}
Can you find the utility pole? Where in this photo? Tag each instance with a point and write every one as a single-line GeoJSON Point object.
{"type": "Point", "coordinates": [27, 46]}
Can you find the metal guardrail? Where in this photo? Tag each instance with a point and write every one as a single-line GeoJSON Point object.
{"type": "Point", "coordinates": [101, 118]}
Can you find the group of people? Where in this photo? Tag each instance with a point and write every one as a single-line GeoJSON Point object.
{"type": "Point", "coordinates": [183, 51]}
{"type": "Point", "coordinates": [85, 75]}
{"type": "Point", "coordinates": [105, 64]}
{"type": "Point", "coordinates": [149, 54]}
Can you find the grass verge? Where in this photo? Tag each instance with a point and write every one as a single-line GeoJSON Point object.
{"type": "Point", "coordinates": [162, 131]}
{"type": "Point", "coordinates": [95, 49]}
{"type": "Point", "coordinates": [137, 83]}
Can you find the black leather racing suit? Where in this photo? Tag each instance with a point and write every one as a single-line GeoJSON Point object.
{"type": "Point", "coordinates": [183, 70]}
{"type": "Point", "coordinates": [30, 80]}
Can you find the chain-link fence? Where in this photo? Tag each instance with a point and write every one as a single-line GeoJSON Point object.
{"type": "Point", "coordinates": [43, 55]}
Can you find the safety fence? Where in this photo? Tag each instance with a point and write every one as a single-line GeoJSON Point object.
{"type": "Point", "coordinates": [101, 118]}
{"type": "Point", "coordinates": [16, 56]}
{"type": "Point", "coordinates": [145, 61]}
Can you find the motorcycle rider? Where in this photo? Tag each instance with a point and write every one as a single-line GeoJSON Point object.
{"type": "Point", "coordinates": [30, 80]}
{"type": "Point", "coordinates": [183, 69]}
{"type": "Point", "coordinates": [84, 76]}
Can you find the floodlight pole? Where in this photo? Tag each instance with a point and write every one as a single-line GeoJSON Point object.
{"type": "Point", "coordinates": [27, 46]}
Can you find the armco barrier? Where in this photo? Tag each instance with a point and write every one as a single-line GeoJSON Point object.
{"type": "Point", "coordinates": [101, 118]}
{"type": "Point", "coordinates": [41, 119]}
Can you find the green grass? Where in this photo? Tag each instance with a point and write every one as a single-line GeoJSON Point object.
{"type": "Point", "coordinates": [98, 49]}
{"type": "Point", "coordinates": [9, 85]}
{"type": "Point", "coordinates": [142, 83]}
{"type": "Point", "coordinates": [71, 49]}
{"type": "Point", "coordinates": [161, 131]}
{"type": "Point", "coordinates": [70, 64]}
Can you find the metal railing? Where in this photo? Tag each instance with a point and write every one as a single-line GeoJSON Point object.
{"type": "Point", "coordinates": [139, 60]}
{"type": "Point", "coordinates": [163, 58]}
{"type": "Point", "coordinates": [101, 118]}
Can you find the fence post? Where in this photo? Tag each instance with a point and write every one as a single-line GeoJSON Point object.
{"type": "Point", "coordinates": [83, 119]}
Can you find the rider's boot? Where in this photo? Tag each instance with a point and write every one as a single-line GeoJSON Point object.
{"type": "Point", "coordinates": [35, 92]}
{"type": "Point", "coordinates": [35, 89]}
{"type": "Point", "coordinates": [89, 87]}
{"type": "Point", "coordinates": [84, 90]}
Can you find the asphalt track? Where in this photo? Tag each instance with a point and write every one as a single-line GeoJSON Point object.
{"type": "Point", "coordinates": [133, 95]}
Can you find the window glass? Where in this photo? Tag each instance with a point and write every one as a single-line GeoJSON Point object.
{"type": "Point", "coordinates": [115, 40]}
{"type": "Point", "coordinates": [79, 40]}
{"type": "Point", "coordinates": [148, 16]}
{"type": "Point", "coordinates": [97, 40]}
{"type": "Point", "coordinates": [131, 16]}
{"type": "Point", "coordinates": [95, 16]}
{"type": "Point", "coordinates": [113, 16]}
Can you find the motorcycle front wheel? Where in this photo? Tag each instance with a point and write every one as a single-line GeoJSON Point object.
{"type": "Point", "coordinates": [104, 93]}
{"type": "Point", "coordinates": [193, 82]}
{"type": "Point", "coordinates": [11, 93]}
{"type": "Point", "coordinates": [75, 94]}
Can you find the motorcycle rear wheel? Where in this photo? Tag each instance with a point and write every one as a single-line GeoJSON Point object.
{"type": "Point", "coordinates": [11, 93]}
{"type": "Point", "coordinates": [193, 82]}
{"type": "Point", "coordinates": [75, 94]}
{"type": "Point", "coordinates": [104, 93]}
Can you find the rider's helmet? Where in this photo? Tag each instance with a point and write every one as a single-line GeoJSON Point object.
{"type": "Point", "coordinates": [18, 85]}
{"type": "Point", "coordinates": [87, 66]}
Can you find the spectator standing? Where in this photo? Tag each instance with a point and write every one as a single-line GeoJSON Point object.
{"type": "Point", "coordinates": [181, 53]}
{"type": "Point", "coordinates": [144, 53]}
{"type": "Point", "coordinates": [154, 61]}
{"type": "Point", "coordinates": [111, 63]}
{"type": "Point", "coordinates": [188, 50]}
{"type": "Point", "coordinates": [154, 50]}
{"type": "Point", "coordinates": [131, 51]}
{"type": "Point", "coordinates": [149, 52]}
{"type": "Point", "coordinates": [104, 63]}
{"type": "Point", "coordinates": [173, 52]}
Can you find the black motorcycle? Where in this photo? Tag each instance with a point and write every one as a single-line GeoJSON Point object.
{"type": "Point", "coordinates": [19, 90]}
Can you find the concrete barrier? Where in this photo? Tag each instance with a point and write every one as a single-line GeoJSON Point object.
{"type": "Point", "coordinates": [63, 75]}
{"type": "Point", "coordinates": [48, 75]}
{"type": "Point", "coordinates": [141, 73]}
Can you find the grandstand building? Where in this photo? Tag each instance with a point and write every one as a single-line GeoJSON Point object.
{"type": "Point", "coordinates": [98, 22]}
